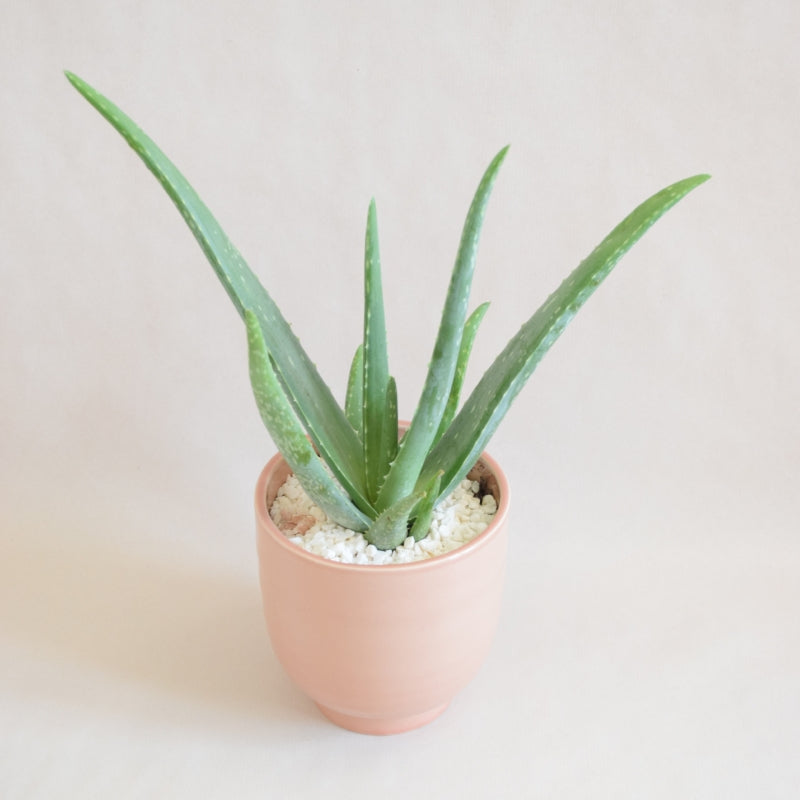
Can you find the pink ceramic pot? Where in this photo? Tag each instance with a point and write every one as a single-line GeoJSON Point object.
{"type": "Point", "coordinates": [381, 649]}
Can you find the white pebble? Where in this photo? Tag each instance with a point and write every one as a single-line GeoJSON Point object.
{"type": "Point", "coordinates": [457, 519]}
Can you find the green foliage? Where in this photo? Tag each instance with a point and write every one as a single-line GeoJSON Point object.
{"type": "Point", "coordinates": [350, 460]}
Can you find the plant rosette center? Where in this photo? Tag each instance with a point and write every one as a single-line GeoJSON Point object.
{"type": "Point", "coordinates": [458, 519]}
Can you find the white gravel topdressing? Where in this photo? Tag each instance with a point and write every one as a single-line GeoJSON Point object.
{"type": "Point", "coordinates": [457, 520]}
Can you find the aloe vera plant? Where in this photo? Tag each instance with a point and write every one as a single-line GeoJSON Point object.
{"type": "Point", "coordinates": [350, 459]}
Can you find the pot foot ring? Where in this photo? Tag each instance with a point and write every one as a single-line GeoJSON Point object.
{"type": "Point", "coordinates": [381, 726]}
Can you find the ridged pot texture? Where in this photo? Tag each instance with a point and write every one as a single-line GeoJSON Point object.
{"type": "Point", "coordinates": [381, 649]}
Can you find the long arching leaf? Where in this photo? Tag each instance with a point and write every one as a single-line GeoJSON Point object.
{"type": "Point", "coordinates": [322, 416]}
{"type": "Point", "coordinates": [465, 439]}
{"type": "Point", "coordinates": [424, 426]}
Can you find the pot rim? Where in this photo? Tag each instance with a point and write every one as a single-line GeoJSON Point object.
{"type": "Point", "coordinates": [497, 524]}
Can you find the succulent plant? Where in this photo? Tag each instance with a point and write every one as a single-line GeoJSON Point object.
{"type": "Point", "coordinates": [351, 460]}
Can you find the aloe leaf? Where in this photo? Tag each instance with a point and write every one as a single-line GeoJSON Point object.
{"type": "Point", "coordinates": [376, 363]}
{"type": "Point", "coordinates": [422, 524]}
{"type": "Point", "coordinates": [289, 437]}
{"type": "Point", "coordinates": [465, 439]}
{"type": "Point", "coordinates": [389, 447]}
{"type": "Point", "coordinates": [390, 528]}
{"type": "Point", "coordinates": [324, 419]}
{"type": "Point", "coordinates": [467, 339]}
{"type": "Point", "coordinates": [354, 401]}
{"type": "Point", "coordinates": [417, 442]}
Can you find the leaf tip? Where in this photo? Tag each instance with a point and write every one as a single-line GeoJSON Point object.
{"type": "Point", "coordinates": [252, 325]}
{"type": "Point", "coordinates": [74, 79]}
{"type": "Point", "coordinates": [501, 156]}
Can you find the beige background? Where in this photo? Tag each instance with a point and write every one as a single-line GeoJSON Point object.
{"type": "Point", "coordinates": [650, 644]}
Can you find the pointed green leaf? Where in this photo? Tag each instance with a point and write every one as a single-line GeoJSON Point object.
{"type": "Point", "coordinates": [425, 424]}
{"type": "Point", "coordinates": [390, 528]}
{"type": "Point", "coordinates": [354, 402]}
{"type": "Point", "coordinates": [422, 524]}
{"type": "Point", "coordinates": [376, 363]}
{"type": "Point", "coordinates": [289, 437]}
{"type": "Point", "coordinates": [465, 439]}
{"type": "Point", "coordinates": [323, 418]}
{"type": "Point", "coordinates": [467, 340]}
{"type": "Point", "coordinates": [389, 446]}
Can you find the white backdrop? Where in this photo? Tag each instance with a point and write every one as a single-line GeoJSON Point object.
{"type": "Point", "coordinates": [650, 644]}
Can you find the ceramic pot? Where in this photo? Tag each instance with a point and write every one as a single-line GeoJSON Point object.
{"type": "Point", "coordinates": [381, 649]}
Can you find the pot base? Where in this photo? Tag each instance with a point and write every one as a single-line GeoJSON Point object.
{"type": "Point", "coordinates": [381, 726]}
